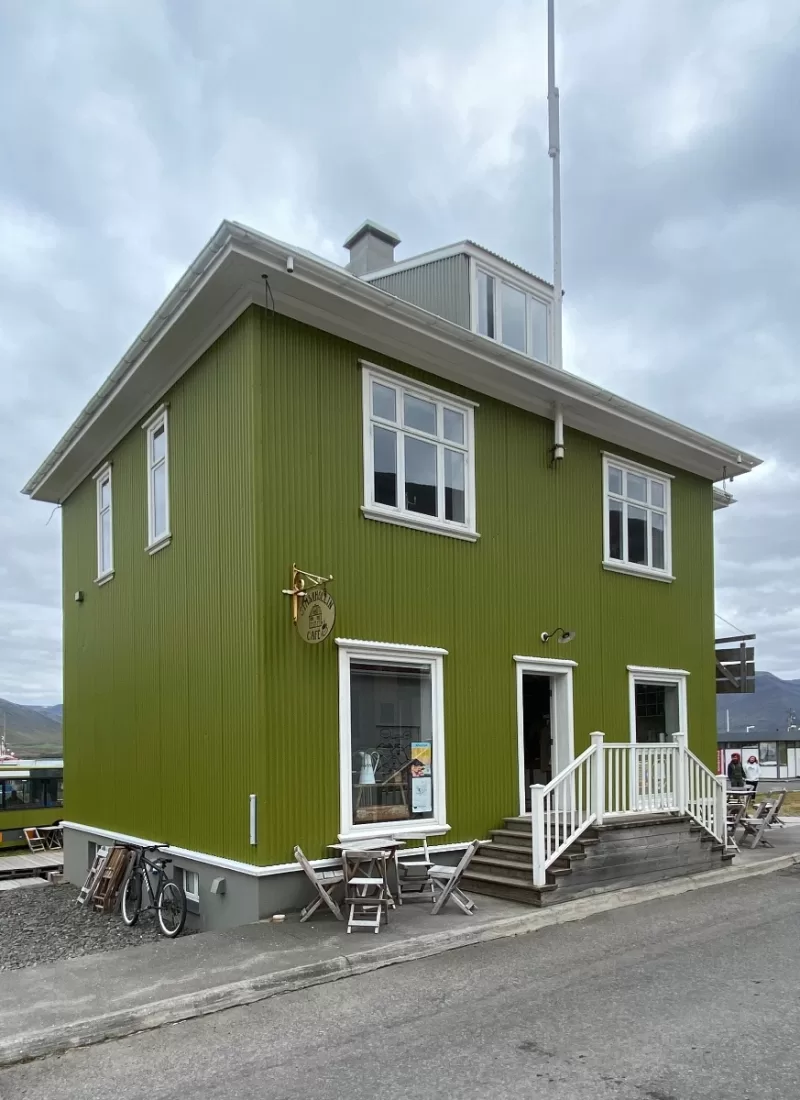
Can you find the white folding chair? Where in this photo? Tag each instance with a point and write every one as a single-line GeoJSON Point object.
{"type": "Point", "coordinates": [411, 868]}
{"type": "Point", "coordinates": [756, 827]}
{"type": "Point", "coordinates": [325, 883]}
{"type": "Point", "coordinates": [366, 889]}
{"type": "Point", "coordinates": [447, 879]}
{"type": "Point", "coordinates": [35, 839]}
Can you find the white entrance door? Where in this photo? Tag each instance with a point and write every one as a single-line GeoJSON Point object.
{"type": "Point", "coordinates": [536, 763]}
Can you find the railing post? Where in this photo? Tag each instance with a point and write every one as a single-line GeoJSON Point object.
{"type": "Point", "coordinates": [598, 778]}
{"type": "Point", "coordinates": [720, 829]}
{"type": "Point", "coordinates": [681, 774]}
{"type": "Point", "coordinates": [537, 835]}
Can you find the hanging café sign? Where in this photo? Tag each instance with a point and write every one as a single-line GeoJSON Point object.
{"type": "Point", "coordinates": [313, 607]}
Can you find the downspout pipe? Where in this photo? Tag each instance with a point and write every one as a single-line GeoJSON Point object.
{"type": "Point", "coordinates": [558, 432]}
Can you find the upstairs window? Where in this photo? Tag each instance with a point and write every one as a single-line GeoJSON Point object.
{"type": "Point", "coordinates": [511, 315]}
{"type": "Point", "coordinates": [418, 456]}
{"type": "Point", "coordinates": [637, 519]}
{"type": "Point", "coordinates": [158, 531]}
{"type": "Point", "coordinates": [105, 535]}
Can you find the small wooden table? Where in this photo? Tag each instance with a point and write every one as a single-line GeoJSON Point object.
{"type": "Point", "coordinates": [52, 835]}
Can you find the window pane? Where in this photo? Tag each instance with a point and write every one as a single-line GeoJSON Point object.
{"type": "Point", "coordinates": [384, 402]}
{"type": "Point", "coordinates": [657, 712]}
{"type": "Point", "coordinates": [485, 304]}
{"type": "Point", "coordinates": [657, 494]}
{"type": "Point", "coordinates": [105, 542]}
{"type": "Point", "coordinates": [637, 535]}
{"type": "Point", "coordinates": [419, 414]}
{"type": "Point", "coordinates": [385, 471]}
{"type": "Point", "coordinates": [637, 487]}
{"type": "Point", "coordinates": [159, 444]}
{"type": "Point", "coordinates": [615, 529]}
{"type": "Point", "coordinates": [513, 307]}
{"type": "Point", "coordinates": [767, 752]}
{"type": "Point", "coordinates": [454, 495]}
{"type": "Point", "coordinates": [539, 323]}
{"type": "Point", "coordinates": [420, 476]}
{"type": "Point", "coordinates": [159, 501]}
{"type": "Point", "coordinates": [391, 740]}
{"type": "Point", "coordinates": [659, 558]}
{"type": "Point", "coordinates": [615, 480]}
{"type": "Point", "coordinates": [105, 494]}
{"type": "Point", "coordinates": [453, 426]}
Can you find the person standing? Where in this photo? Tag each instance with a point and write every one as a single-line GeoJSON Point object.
{"type": "Point", "coordinates": [752, 773]}
{"type": "Point", "coordinates": [736, 776]}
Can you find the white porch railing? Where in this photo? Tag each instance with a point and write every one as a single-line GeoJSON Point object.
{"type": "Point", "coordinates": [610, 780]}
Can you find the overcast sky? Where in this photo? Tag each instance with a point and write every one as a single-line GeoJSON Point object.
{"type": "Point", "coordinates": [129, 130]}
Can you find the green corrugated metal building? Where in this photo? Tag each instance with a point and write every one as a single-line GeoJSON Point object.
{"type": "Point", "coordinates": [393, 426]}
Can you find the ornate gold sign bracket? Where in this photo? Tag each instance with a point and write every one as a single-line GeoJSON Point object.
{"type": "Point", "coordinates": [302, 584]}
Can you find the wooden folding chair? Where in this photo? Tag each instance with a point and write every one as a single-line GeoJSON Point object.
{"type": "Point", "coordinates": [411, 867]}
{"type": "Point", "coordinates": [366, 887]}
{"type": "Point", "coordinates": [446, 879]}
{"type": "Point", "coordinates": [757, 826]}
{"type": "Point", "coordinates": [35, 840]}
{"type": "Point", "coordinates": [768, 804]}
{"type": "Point", "coordinates": [737, 811]}
{"type": "Point", "coordinates": [325, 883]}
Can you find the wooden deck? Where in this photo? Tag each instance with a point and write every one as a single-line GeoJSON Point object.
{"type": "Point", "coordinates": [28, 864]}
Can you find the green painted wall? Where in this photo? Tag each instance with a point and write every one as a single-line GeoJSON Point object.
{"type": "Point", "coordinates": [187, 688]}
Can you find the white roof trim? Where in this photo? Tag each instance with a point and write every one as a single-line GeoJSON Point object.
{"type": "Point", "coordinates": [470, 249]}
{"type": "Point", "coordinates": [226, 278]}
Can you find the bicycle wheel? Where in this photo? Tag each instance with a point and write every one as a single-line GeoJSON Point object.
{"type": "Point", "coordinates": [171, 909]}
{"type": "Point", "coordinates": [132, 899]}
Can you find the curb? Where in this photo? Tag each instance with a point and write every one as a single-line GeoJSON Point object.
{"type": "Point", "coordinates": [116, 1025]}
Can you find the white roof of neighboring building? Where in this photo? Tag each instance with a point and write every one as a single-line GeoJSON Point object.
{"type": "Point", "coordinates": [226, 278]}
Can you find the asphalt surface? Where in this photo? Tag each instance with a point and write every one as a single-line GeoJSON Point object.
{"type": "Point", "coordinates": [691, 998]}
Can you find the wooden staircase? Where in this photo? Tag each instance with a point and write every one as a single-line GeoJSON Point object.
{"type": "Point", "coordinates": [626, 851]}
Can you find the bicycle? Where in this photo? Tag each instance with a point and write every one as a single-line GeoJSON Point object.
{"type": "Point", "coordinates": [167, 898]}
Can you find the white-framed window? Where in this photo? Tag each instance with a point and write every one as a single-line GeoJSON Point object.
{"type": "Point", "coordinates": [191, 884]}
{"type": "Point", "coordinates": [636, 519]}
{"type": "Point", "coordinates": [511, 314]}
{"type": "Point", "coordinates": [419, 455]}
{"type": "Point", "coordinates": [157, 432]}
{"type": "Point", "coordinates": [105, 524]}
{"type": "Point", "coordinates": [657, 703]}
{"type": "Point", "coordinates": [391, 738]}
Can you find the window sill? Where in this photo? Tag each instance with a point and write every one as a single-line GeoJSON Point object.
{"type": "Point", "coordinates": [420, 523]}
{"type": "Point", "coordinates": [159, 544]}
{"type": "Point", "coordinates": [392, 829]}
{"type": "Point", "coordinates": [106, 577]}
{"type": "Point", "coordinates": [638, 571]}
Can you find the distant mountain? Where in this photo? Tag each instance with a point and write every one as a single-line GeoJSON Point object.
{"type": "Point", "coordinates": [770, 707]}
{"type": "Point", "coordinates": [32, 731]}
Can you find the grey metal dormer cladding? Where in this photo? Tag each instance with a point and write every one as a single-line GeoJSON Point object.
{"type": "Point", "coordinates": [440, 286]}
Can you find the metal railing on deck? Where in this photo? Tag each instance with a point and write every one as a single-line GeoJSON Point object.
{"type": "Point", "coordinates": [614, 779]}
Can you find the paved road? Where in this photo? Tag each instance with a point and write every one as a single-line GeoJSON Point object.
{"type": "Point", "coordinates": [691, 998]}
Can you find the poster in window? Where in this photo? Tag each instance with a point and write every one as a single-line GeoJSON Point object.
{"type": "Point", "coordinates": [421, 756]}
{"type": "Point", "coordinates": [421, 794]}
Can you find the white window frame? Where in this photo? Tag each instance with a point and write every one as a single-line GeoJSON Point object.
{"type": "Point", "coordinates": [103, 477]}
{"type": "Point", "coordinates": [622, 566]}
{"type": "Point", "coordinates": [649, 674]}
{"type": "Point", "coordinates": [157, 540]}
{"type": "Point", "coordinates": [386, 653]}
{"type": "Point", "coordinates": [191, 895]}
{"type": "Point", "coordinates": [500, 278]}
{"type": "Point", "coordinates": [400, 515]}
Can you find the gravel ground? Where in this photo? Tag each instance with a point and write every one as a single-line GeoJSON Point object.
{"type": "Point", "coordinates": [46, 925]}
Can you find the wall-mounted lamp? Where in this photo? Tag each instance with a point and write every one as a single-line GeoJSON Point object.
{"type": "Point", "coordinates": [566, 635]}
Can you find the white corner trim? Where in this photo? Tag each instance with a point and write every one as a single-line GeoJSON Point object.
{"type": "Point", "coordinates": [389, 648]}
{"type": "Point", "coordinates": [652, 670]}
{"type": "Point", "coordinates": [614, 566]}
{"type": "Point", "coordinates": [409, 383]}
{"type": "Point", "coordinates": [104, 578]}
{"type": "Point", "coordinates": [554, 663]}
{"type": "Point", "coordinates": [159, 544]}
{"type": "Point", "coordinates": [430, 526]}
{"type": "Point", "coordinates": [632, 464]}
{"type": "Point", "coordinates": [154, 416]}
{"type": "Point", "coordinates": [104, 469]}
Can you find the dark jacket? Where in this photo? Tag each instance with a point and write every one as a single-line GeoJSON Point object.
{"type": "Point", "coordinates": [736, 776]}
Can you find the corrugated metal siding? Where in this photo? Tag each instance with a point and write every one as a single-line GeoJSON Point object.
{"type": "Point", "coordinates": [187, 687]}
{"type": "Point", "coordinates": [441, 287]}
{"type": "Point", "coordinates": [161, 675]}
{"type": "Point", "coordinates": [536, 566]}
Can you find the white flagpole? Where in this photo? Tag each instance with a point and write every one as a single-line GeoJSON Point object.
{"type": "Point", "coordinates": [554, 142]}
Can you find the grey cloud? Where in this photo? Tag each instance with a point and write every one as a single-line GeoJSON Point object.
{"type": "Point", "coordinates": [136, 128]}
